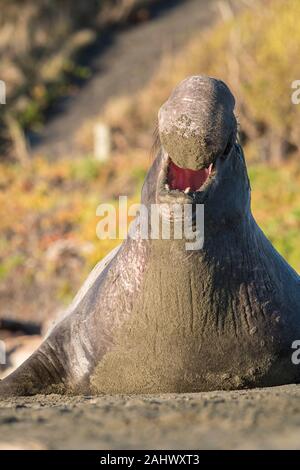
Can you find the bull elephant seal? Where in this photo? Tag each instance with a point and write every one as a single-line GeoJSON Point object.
{"type": "Point", "coordinates": [156, 317]}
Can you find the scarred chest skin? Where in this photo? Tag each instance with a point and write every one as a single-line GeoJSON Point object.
{"type": "Point", "coordinates": [223, 317]}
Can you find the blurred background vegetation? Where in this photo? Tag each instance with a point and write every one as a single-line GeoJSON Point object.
{"type": "Point", "coordinates": [48, 220]}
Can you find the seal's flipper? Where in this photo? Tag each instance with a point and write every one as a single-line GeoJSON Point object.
{"type": "Point", "coordinates": [42, 371]}
{"type": "Point", "coordinates": [88, 283]}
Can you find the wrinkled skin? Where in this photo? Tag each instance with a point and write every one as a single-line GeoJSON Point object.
{"type": "Point", "coordinates": [155, 317]}
{"type": "Point", "coordinates": [197, 122]}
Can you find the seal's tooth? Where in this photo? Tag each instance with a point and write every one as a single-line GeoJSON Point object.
{"type": "Point", "coordinates": [167, 187]}
{"type": "Point", "coordinates": [210, 168]}
{"type": "Point", "coordinates": [187, 190]}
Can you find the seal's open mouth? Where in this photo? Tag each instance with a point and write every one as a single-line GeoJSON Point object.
{"type": "Point", "coordinates": [183, 185]}
{"type": "Point", "coordinates": [185, 179]}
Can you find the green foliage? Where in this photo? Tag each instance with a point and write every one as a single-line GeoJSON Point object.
{"type": "Point", "coordinates": [9, 265]}
{"type": "Point", "coordinates": [276, 206]}
{"type": "Point", "coordinates": [85, 169]}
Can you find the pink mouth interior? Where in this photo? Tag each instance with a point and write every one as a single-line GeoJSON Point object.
{"type": "Point", "coordinates": [182, 178]}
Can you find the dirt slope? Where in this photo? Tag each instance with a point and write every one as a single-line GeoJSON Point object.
{"type": "Point", "coordinates": [124, 62]}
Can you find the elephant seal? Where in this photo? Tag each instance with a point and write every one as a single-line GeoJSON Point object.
{"type": "Point", "coordinates": [156, 317]}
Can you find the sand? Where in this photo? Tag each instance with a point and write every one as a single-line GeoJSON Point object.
{"type": "Point", "coordinates": [248, 419]}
